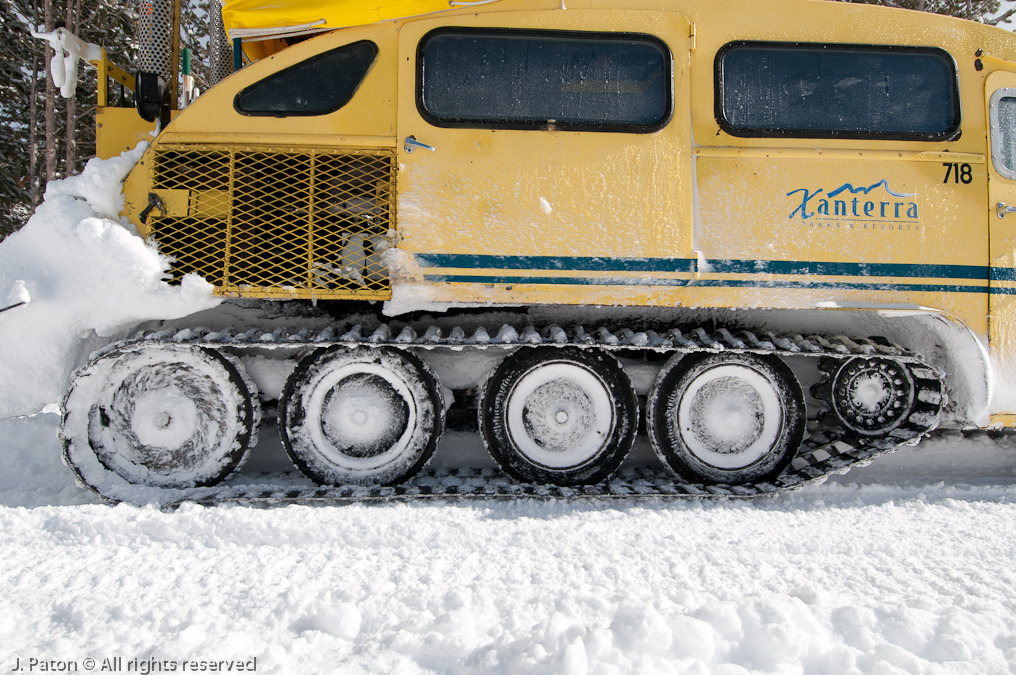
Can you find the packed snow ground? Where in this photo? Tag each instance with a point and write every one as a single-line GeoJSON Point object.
{"type": "Point", "coordinates": [905, 566]}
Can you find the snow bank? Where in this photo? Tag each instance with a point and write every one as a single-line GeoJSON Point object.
{"type": "Point", "coordinates": [900, 574]}
{"type": "Point", "coordinates": [73, 273]}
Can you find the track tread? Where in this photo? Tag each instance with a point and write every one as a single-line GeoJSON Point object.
{"type": "Point", "coordinates": [824, 451]}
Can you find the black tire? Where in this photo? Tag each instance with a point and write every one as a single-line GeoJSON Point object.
{"type": "Point", "coordinates": [159, 415]}
{"type": "Point", "coordinates": [361, 416]}
{"type": "Point", "coordinates": [594, 408]}
{"type": "Point", "coordinates": [726, 418]}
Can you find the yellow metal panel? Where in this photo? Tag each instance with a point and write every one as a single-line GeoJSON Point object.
{"type": "Point", "coordinates": [548, 192]}
{"type": "Point", "coordinates": [119, 130]}
{"type": "Point", "coordinates": [1002, 319]}
{"type": "Point", "coordinates": [1003, 420]}
{"type": "Point", "coordinates": [174, 203]}
{"type": "Point", "coordinates": [212, 118]}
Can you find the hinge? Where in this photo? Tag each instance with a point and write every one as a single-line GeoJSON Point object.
{"type": "Point", "coordinates": [691, 37]}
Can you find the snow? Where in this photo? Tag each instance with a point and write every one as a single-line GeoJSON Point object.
{"type": "Point", "coordinates": [68, 49]}
{"type": "Point", "coordinates": [82, 276]}
{"type": "Point", "coordinates": [885, 570]}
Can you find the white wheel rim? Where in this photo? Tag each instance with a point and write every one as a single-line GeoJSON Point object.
{"type": "Point", "coordinates": [165, 418]}
{"type": "Point", "coordinates": [560, 415]}
{"type": "Point", "coordinates": [730, 417]}
{"type": "Point", "coordinates": [359, 417]}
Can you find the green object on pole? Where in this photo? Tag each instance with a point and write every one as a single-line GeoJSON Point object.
{"type": "Point", "coordinates": [186, 61]}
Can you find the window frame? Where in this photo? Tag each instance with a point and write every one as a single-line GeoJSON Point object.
{"type": "Point", "coordinates": [951, 134]}
{"type": "Point", "coordinates": [317, 57]}
{"type": "Point", "coordinates": [994, 131]}
{"type": "Point", "coordinates": [545, 125]}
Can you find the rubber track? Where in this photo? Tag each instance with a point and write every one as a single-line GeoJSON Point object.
{"type": "Point", "coordinates": [824, 451]}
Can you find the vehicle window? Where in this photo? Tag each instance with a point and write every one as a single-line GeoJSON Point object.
{"type": "Point", "coordinates": [320, 85]}
{"type": "Point", "coordinates": [853, 91]}
{"type": "Point", "coordinates": [1003, 132]}
{"type": "Point", "coordinates": [544, 79]}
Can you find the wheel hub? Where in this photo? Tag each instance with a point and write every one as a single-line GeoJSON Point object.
{"type": "Point", "coordinates": [727, 416]}
{"type": "Point", "coordinates": [872, 396]}
{"type": "Point", "coordinates": [363, 415]}
{"type": "Point", "coordinates": [559, 415]}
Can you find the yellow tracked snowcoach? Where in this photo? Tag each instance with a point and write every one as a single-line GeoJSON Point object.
{"type": "Point", "coordinates": [700, 210]}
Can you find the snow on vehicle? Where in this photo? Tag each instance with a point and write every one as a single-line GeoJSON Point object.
{"type": "Point", "coordinates": [702, 211]}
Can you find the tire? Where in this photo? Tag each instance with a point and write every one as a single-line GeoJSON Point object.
{"type": "Point", "coordinates": [361, 416]}
{"type": "Point", "coordinates": [871, 397]}
{"type": "Point", "coordinates": [726, 418]}
{"type": "Point", "coordinates": [159, 415]}
{"type": "Point", "coordinates": [564, 416]}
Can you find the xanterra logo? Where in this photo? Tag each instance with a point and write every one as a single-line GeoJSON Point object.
{"type": "Point", "coordinates": [874, 209]}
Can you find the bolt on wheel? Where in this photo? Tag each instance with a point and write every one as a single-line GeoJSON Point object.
{"type": "Point", "coordinates": [366, 416]}
{"type": "Point", "coordinates": [167, 416]}
{"type": "Point", "coordinates": [726, 418]}
{"type": "Point", "coordinates": [872, 396]}
{"type": "Point", "coordinates": [564, 416]}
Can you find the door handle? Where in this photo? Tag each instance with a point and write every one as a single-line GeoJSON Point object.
{"type": "Point", "coordinates": [1002, 209]}
{"type": "Point", "coordinates": [412, 144]}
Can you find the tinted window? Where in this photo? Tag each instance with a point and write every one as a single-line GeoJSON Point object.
{"type": "Point", "coordinates": [837, 90]}
{"type": "Point", "coordinates": [319, 85]}
{"type": "Point", "coordinates": [536, 79]}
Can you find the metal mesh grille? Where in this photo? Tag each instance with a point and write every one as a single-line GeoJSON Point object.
{"type": "Point", "coordinates": [266, 222]}
{"type": "Point", "coordinates": [220, 51]}
{"type": "Point", "coordinates": [155, 37]}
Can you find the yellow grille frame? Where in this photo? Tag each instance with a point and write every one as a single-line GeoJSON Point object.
{"type": "Point", "coordinates": [271, 222]}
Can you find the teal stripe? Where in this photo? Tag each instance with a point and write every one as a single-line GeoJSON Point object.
{"type": "Point", "coordinates": [586, 264]}
{"type": "Point", "coordinates": [605, 264]}
{"type": "Point", "coordinates": [714, 283]}
{"type": "Point", "coordinates": [849, 269]}
{"type": "Point", "coordinates": [1003, 274]}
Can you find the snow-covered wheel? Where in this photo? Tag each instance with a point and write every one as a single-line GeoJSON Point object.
{"type": "Point", "coordinates": [726, 418]}
{"type": "Point", "coordinates": [564, 416]}
{"type": "Point", "coordinates": [159, 415]}
{"type": "Point", "coordinates": [872, 397]}
{"type": "Point", "coordinates": [363, 416]}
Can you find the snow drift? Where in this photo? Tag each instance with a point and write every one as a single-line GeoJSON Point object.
{"type": "Point", "coordinates": [77, 273]}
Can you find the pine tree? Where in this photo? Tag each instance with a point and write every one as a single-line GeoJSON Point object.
{"type": "Point", "coordinates": [15, 97]}
{"type": "Point", "coordinates": [984, 11]}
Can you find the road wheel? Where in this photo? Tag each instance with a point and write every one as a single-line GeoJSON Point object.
{"type": "Point", "coordinates": [564, 416]}
{"type": "Point", "coordinates": [160, 415]}
{"type": "Point", "coordinates": [364, 416]}
{"type": "Point", "coordinates": [871, 397]}
{"type": "Point", "coordinates": [726, 418]}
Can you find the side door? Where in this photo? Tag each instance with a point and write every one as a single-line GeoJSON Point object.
{"type": "Point", "coordinates": [1000, 92]}
{"type": "Point", "coordinates": [561, 153]}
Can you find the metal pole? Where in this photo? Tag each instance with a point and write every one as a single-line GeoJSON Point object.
{"type": "Point", "coordinates": [174, 80]}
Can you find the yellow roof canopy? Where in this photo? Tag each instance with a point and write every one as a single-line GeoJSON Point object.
{"type": "Point", "coordinates": [268, 19]}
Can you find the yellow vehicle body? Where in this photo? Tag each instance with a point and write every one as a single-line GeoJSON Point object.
{"type": "Point", "coordinates": [685, 216]}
